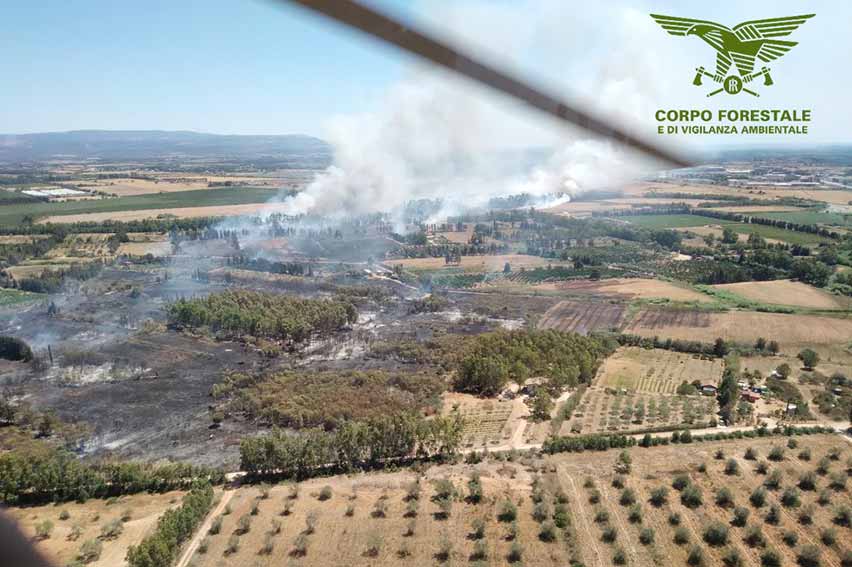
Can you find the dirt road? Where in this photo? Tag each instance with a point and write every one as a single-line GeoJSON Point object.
{"type": "Point", "coordinates": [190, 548]}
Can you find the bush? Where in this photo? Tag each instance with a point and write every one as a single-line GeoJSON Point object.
{"type": "Point", "coordinates": [635, 514]}
{"type": "Point", "coordinates": [770, 558]}
{"type": "Point", "coordinates": [732, 467]}
{"type": "Point", "coordinates": [268, 545]}
{"type": "Point", "coordinates": [681, 536]}
{"type": "Point", "coordinates": [374, 545]}
{"type": "Point", "coordinates": [776, 454]}
{"type": "Point", "coordinates": [90, 551]}
{"type": "Point", "coordinates": [790, 498]}
{"type": "Point", "coordinates": [659, 496]}
{"type": "Point", "coordinates": [216, 526]}
{"type": "Point", "coordinates": [480, 551]}
{"type": "Point", "coordinates": [824, 497]}
{"type": "Point", "coordinates": [541, 512]}
{"type": "Point", "coordinates": [805, 455]}
{"type": "Point", "coordinates": [761, 468]}
{"type": "Point", "coordinates": [310, 523]}
{"type": "Point", "coordinates": [823, 465]}
{"type": "Point", "coordinates": [628, 497]}
{"type": "Point", "coordinates": [380, 508]}
{"type": "Point", "coordinates": [512, 532]}
{"type": "Point", "coordinates": [203, 545]}
{"type": "Point", "coordinates": [474, 487]}
{"type": "Point", "coordinates": [837, 481]}
{"type": "Point", "coordinates": [680, 482]}
{"type": "Point", "coordinates": [112, 530]}
{"type": "Point", "coordinates": [561, 516]}
{"type": "Point", "coordinates": [758, 497]}
{"type": "Point", "coordinates": [806, 515]}
{"type": "Point", "coordinates": [790, 538]}
{"type": "Point", "coordinates": [740, 516]}
{"type": "Point", "coordinates": [754, 537]}
{"type": "Point", "coordinates": [619, 557]}
{"type": "Point", "coordinates": [255, 509]}
{"type": "Point", "coordinates": [695, 557]}
{"type": "Point", "coordinates": [594, 496]}
{"type": "Point", "coordinates": [842, 516]}
{"type": "Point", "coordinates": [674, 518]}
{"type": "Point", "coordinates": [618, 481]}
{"type": "Point", "coordinates": [601, 516]}
{"type": "Point", "coordinates": [64, 515]}
{"type": "Point", "coordinates": [508, 512]}
{"type": "Point", "coordinates": [300, 546]}
{"type": "Point", "coordinates": [478, 528]}
{"type": "Point", "coordinates": [828, 536]}
{"type": "Point", "coordinates": [773, 517]}
{"type": "Point", "coordinates": [609, 535]}
{"type": "Point", "coordinates": [732, 558]}
{"type": "Point", "coordinates": [750, 454]}
{"type": "Point", "coordinates": [646, 536]}
{"type": "Point", "coordinates": [808, 481]}
{"type": "Point", "coordinates": [547, 533]}
{"type": "Point", "coordinates": [716, 534]}
{"type": "Point", "coordinates": [325, 493]}
{"type": "Point", "coordinates": [516, 553]}
{"type": "Point", "coordinates": [44, 529]}
{"type": "Point", "coordinates": [773, 480]}
{"type": "Point", "coordinates": [691, 497]}
{"type": "Point", "coordinates": [808, 556]}
{"type": "Point", "coordinates": [243, 525]}
{"type": "Point", "coordinates": [719, 454]}
{"type": "Point", "coordinates": [724, 497]}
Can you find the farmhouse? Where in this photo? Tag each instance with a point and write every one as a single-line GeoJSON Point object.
{"type": "Point", "coordinates": [749, 396]}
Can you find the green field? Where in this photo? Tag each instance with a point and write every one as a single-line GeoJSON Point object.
{"type": "Point", "coordinates": [813, 217]}
{"type": "Point", "coordinates": [15, 296]}
{"type": "Point", "coordinates": [774, 233]}
{"type": "Point", "coordinates": [671, 221]}
{"type": "Point", "coordinates": [14, 214]}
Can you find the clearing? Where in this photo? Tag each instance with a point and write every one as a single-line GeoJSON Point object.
{"type": "Point", "coordinates": [786, 292]}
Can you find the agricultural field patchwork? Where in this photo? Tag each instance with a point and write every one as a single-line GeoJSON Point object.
{"type": "Point", "coordinates": [583, 317]}
{"type": "Point", "coordinates": [656, 371]}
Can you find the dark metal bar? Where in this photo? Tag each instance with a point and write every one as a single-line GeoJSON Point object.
{"type": "Point", "coordinates": [381, 26]}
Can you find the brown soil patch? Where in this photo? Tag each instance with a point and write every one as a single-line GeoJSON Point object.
{"type": "Point", "coordinates": [180, 212]}
{"type": "Point", "coordinates": [582, 317]}
{"type": "Point", "coordinates": [786, 292]}
{"type": "Point", "coordinates": [630, 288]}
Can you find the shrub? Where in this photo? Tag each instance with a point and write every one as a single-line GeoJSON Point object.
{"type": "Point", "coordinates": [732, 558]}
{"type": "Point", "coordinates": [681, 536]}
{"type": "Point", "coordinates": [674, 519]}
{"type": "Point", "coordinates": [716, 534]}
{"type": "Point", "coordinates": [680, 482]}
{"type": "Point", "coordinates": [547, 533]}
{"type": "Point", "coordinates": [478, 528]}
{"type": "Point", "coordinates": [300, 546]}
{"type": "Point", "coordinates": [75, 533]}
{"type": "Point", "coordinates": [480, 551]}
{"type": "Point", "coordinates": [773, 480]}
{"type": "Point", "coordinates": [776, 454]}
{"type": "Point", "coordinates": [691, 497]}
{"type": "Point", "coordinates": [474, 487]}
{"type": "Point", "coordinates": [823, 465]}
{"type": "Point", "coordinates": [512, 531]}
{"type": "Point", "coordinates": [264, 492]}
{"type": "Point", "coordinates": [561, 517]}
{"type": "Point", "coordinates": [628, 497]}
{"type": "Point", "coordinates": [203, 545]}
{"type": "Point", "coordinates": [293, 493]}
{"type": "Point", "coordinates": [750, 454]}
{"type": "Point", "coordinates": [758, 497]}
{"type": "Point", "coordinates": [255, 509]}
{"type": "Point", "coordinates": [754, 537]}
{"type": "Point", "coordinates": [724, 497]}
{"type": "Point", "coordinates": [618, 481]}
{"type": "Point", "coordinates": [288, 508]}
{"type": "Point", "coordinates": [773, 517]}
{"type": "Point", "coordinates": [761, 468]}
{"type": "Point", "coordinates": [659, 496]}
{"type": "Point", "coordinates": [445, 510]}
{"type": "Point", "coordinates": [216, 526]}
{"type": "Point", "coordinates": [828, 536]}
{"type": "Point", "coordinates": [842, 516]}
{"type": "Point", "coordinates": [808, 481]}
{"type": "Point", "coordinates": [601, 516]}
{"type": "Point", "coordinates": [508, 512]}
{"type": "Point", "coordinates": [732, 467]}
{"type": "Point", "coordinates": [790, 498]}
{"type": "Point", "coordinates": [806, 515]}
{"type": "Point", "coordinates": [695, 557]}
{"type": "Point", "coordinates": [268, 545]}
{"type": "Point", "coordinates": [740, 516]}
{"type": "Point", "coordinates": [824, 497]}
{"type": "Point", "coordinates": [374, 545]}
{"type": "Point", "coordinates": [770, 558]}
{"type": "Point", "coordinates": [619, 557]}
{"type": "Point", "coordinates": [805, 455]}
{"type": "Point", "coordinates": [646, 536]}
{"type": "Point", "coordinates": [635, 514]}
{"type": "Point", "coordinates": [837, 481]}
{"type": "Point", "coordinates": [403, 552]}
{"type": "Point", "coordinates": [44, 529]}
{"type": "Point", "coordinates": [609, 535]}
{"type": "Point", "coordinates": [350, 511]}
{"type": "Point", "coordinates": [594, 496]}
{"type": "Point", "coordinates": [112, 530]}
{"type": "Point", "coordinates": [325, 493]}
{"type": "Point", "coordinates": [540, 512]}
{"type": "Point", "coordinates": [413, 491]}
{"type": "Point", "coordinates": [409, 528]}
{"type": "Point", "coordinates": [380, 508]}
{"type": "Point", "coordinates": [516, 553]}
{"type": "Point", "coordinates": [790, 538]}
{"type": "Point", "coordinates": [846, 558]}
{"type": "Point", "coordinates": [90, 551]}
{"type": "Point", "coordinates": [310, 523]}
{"type": "Point", "coordinates": [719, 455]}
{"type": "Point", "coordinates": [808, 556]}
{"type": "Point", "coordinates": [64, 515]}
{"type": "Point", "coordinates": [243, 525]}
{"type": "Point", "coordinates": [126, 515]}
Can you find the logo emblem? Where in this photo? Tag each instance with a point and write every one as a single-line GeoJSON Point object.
{"type": "Point", "coordinates": [740, 47]}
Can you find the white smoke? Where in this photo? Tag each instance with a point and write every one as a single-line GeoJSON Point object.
{"type": "Point", "coordinates": [437, 136]}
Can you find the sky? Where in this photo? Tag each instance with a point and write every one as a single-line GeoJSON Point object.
{"type": "Point", "coordinates": [262, 67]}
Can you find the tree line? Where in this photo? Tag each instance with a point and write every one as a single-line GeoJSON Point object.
{"type": "Point", "coordinates": [236, 313]}
{"type": "Point", "coordinates": [56, 475]}
{"type": "Point", "coordinates": [174, 527]}
{"type": "Point", "coordinates": [369, 444]}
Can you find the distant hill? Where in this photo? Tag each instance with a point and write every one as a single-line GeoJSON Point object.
{"type": "Point", "coordinates": [112, 145]}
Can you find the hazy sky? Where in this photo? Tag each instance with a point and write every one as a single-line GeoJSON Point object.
{"type": "Point", "coordinates": [251, 66]}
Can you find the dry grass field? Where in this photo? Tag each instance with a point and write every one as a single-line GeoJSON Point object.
{"type": "Point", "coordinates": [655, 370]}
{"type": "Point", "coordinates": [786, 292]}
{"type": "Point", "coordinates": [178, 212]}
{"type": "Point", "coordinates": [792, 332]}
{"type": "Point", "coordinates": [85, 522]}
{"type": "Point", "coordinates": [627, 288]}
{"type": "Point", "coordinates": [475, 264]}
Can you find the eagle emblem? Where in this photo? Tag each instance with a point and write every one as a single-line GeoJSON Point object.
{"type": "Point", "coordinates": [739, 47]}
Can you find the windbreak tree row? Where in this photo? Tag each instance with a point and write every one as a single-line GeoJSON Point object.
{"type": "Point", "coordinates": [370, 444]}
